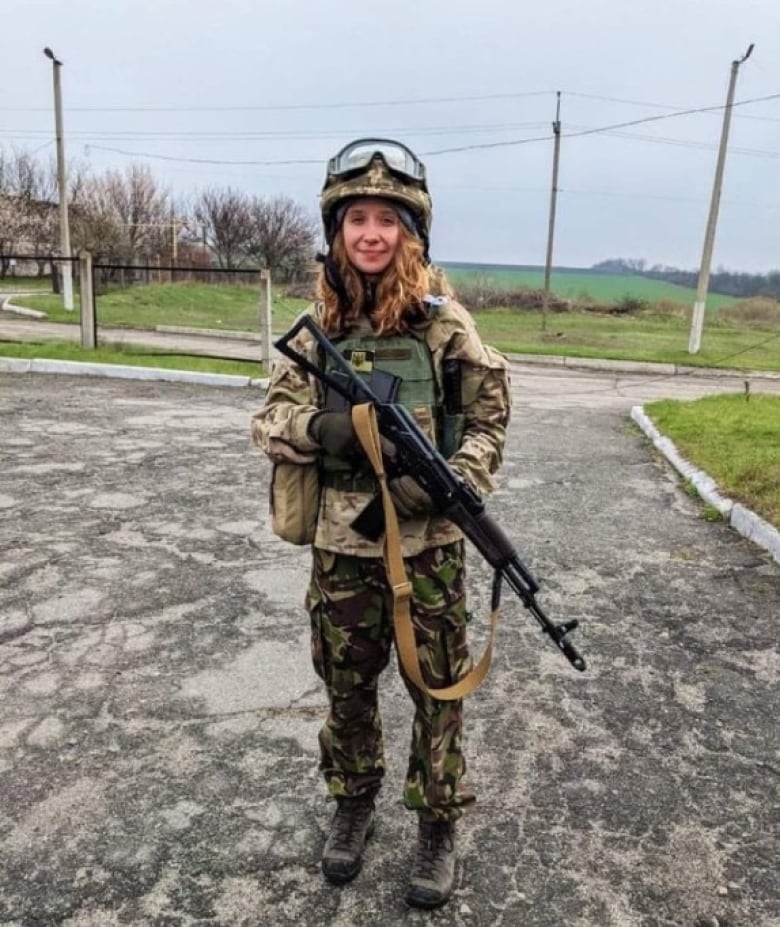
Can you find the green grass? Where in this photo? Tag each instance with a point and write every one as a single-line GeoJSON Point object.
{"type": "Point", "coordinates": [646, 337]}
{"type": "Point", "coordinates": [188, 305]}
{"type": "Point", "coordinates": [13, 284]}
{"type": "Point", "coordinates": [578, 284]}
{"type": "Point", "coordinates": [131, 355]}
{"type": "Point", "coordinates": [733, 439]}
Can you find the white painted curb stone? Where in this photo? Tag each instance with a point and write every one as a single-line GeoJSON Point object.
{"type": "Point", "coordinates": [747, 523]}
{"type": "Point", "coordinates": [126, 372]}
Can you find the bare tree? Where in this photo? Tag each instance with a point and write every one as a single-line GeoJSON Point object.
{"type": "Point", "coordinates": [10, 214]}
{"type": "Point", "coordinates": [28, 212]}
{"type": "Point", "coordinates": [126, 217]}
{"type": "Point", "coordinates": [283, 236]}
{"type": "Point", "coordinates": [225, 216]}
{"type": "Point", "coordinates": [121, 216]}
{"type": "Point", "coordinates": [142, 208]}
{"type": "Point", "coordinates": [95, 225]}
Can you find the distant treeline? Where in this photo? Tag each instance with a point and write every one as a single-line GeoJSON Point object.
{"type": "Point", "coordinates": [730, 283]}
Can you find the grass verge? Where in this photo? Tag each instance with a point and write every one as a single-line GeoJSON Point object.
{"type": "Point", "coordinates": [187, 305]}
{"type": "Point", "coordinates": [656, 338]}
{"type": "Point", "coordinates": [130, 355]}
{"type": "Point", "coordinates": [734, 439]}
{"type": "Point", "coordinates": [659, 334]}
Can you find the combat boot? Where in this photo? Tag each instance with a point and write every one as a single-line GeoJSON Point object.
{"type": "Point", "coordinates": [433, 872]}
{"type": "Point", "coordinates": [352, 825]}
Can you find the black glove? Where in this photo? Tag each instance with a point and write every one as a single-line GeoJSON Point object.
{"type": "Point", "coordinates": [334, 433]}
{"type": "Point", "coordinates": [411, 500]}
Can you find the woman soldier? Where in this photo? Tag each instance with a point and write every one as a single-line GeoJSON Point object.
{"type": "Point", "coordinates": [387, 309]}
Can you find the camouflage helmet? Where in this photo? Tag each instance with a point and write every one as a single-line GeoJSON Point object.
{"type": "Point", "coordinates": [376, 167]}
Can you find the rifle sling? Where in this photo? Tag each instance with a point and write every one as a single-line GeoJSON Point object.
{"type": "Point", "coordinates": [365, 423]}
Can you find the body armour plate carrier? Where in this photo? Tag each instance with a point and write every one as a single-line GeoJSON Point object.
{"type": "Point", "coordinates": [405, 357]}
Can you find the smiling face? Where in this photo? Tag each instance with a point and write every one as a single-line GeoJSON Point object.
{"type": "Point", "coordinates": [371, 231]}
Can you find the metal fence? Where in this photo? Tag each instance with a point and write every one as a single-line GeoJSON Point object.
{"type": "Point", "coordinates": [92, 279]}
{"type": "Point", "coordinates": [124, 275]}
{"type": "Point", "coordinates": [36, 267]}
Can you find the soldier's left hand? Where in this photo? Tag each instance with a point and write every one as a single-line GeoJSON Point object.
{"type": "Point", "coordinates": [411, 500]}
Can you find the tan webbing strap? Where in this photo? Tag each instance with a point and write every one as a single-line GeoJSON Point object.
{"type": "Point", "coordinates": [364, 420]}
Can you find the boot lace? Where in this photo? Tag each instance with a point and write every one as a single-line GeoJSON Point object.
{"type": "Point", "coordinates": [348, 822]}
{"type": "Point", "coordinates": [435, 843]}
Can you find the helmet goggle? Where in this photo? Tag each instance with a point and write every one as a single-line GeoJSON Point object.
{"type": "Point", "coordinates": [356, 157]}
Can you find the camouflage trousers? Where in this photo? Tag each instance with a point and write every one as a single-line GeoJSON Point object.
{"type": "Point", "coordinates": [351, 610]}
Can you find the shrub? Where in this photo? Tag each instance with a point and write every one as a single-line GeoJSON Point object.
{"type": "Point", "coordinates": [758, 312]}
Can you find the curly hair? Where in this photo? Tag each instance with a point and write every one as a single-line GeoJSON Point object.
{"type": "Point", "coordinates": [400, 289]}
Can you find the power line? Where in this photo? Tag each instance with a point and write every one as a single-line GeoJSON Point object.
{"type": "Point", "coordinates": [160, 157]}
{"type": "Point", "coordinates": [607, 99]}
{"type": "Point", "coordinates": [282, 107]}
{"type": "Point", "coordinates": [87, 137]}
{"type": "Point", "coordinates": [453, 150]}
{"type": "Point", "coordinates": [690, 143]}
{"type": "Point", "coordinates": [274, 135]}
{"type": "Point", "coordinates": [602, 129]}
{"type": "Point", "coordinates": [291, 107]}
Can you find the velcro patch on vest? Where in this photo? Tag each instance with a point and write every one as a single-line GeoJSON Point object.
{"type": "Point", "coordinates": [361, 361]}
{"type": "Point", "coordinates": [391, 354]}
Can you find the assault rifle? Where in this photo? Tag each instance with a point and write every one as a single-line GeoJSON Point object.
{"type": "Point", "coordinates": [415, 455]}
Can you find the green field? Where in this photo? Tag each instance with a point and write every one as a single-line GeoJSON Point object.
{"type": "Point", "coordinates": [576, 284]}
{"type": "Point", "coordinates": [581, 285]}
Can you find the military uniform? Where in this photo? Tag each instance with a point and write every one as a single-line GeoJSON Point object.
{"type": "Point", "coordinates": [348, 599]}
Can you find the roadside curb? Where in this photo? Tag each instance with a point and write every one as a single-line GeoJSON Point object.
{"type": "Point", "coordinates": [7, 306]}
{"type": "Point", "coordinates": [743, 520]}
{"type": "Point", "coordinates": [126, 372]}
{"type": "Point", "coordinates": [626, 366]}
{"type": "Point", "coordinates": [208, 332]}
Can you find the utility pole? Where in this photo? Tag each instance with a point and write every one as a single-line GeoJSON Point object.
{"type": "Point", "coordinates": [62, 185]}
{"type": "Point", "coordinates": [174, 236]}
{"type": "Point", "coordinates": [697, 317]}
{"type": "Point", "coordinates": [266, 320]}
{"type": "Point", "coordinates": [553, 202]}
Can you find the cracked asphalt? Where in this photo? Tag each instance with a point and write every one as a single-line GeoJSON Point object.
{"type": "Point", "coordinates": [158, 712]}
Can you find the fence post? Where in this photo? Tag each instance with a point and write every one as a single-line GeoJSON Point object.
{"type": "Point", "coordinates": [265, 320]}
{"type": "Point", "coordinates": [87, 299]}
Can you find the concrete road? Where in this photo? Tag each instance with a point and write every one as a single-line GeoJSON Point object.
{"type": "Point", "coordinates": [158, 714]}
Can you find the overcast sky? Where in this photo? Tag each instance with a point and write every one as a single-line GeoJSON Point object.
{"type": "Point", "coordinates": [177, 84]}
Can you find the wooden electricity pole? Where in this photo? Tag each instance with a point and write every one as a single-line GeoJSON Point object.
{"type": "Point", "coordinates": [697, 317]}
{"type": "Point", "coordinates": [553, 202]}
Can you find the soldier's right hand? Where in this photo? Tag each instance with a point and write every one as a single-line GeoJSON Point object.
{"type": "Point", "coordinates": [334, 432]}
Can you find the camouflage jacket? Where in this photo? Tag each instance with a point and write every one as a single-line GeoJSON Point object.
{"type": "Point", "coordinates": [280, 428]}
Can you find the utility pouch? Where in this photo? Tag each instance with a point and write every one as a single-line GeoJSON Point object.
{"type": "Point", "coordinates": [295, 501]}
{"type": "Point", "coordinates": [452, 417]}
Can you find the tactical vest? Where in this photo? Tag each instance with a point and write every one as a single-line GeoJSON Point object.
{"type": "Point", "coordinates": [404, 356]}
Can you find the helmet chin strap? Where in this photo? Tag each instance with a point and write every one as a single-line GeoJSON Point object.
{"type": "Point", "coordinates": [333, 277]}
{"type": "Point", "coordinates": [426, 245]}
{"type": "Point", "coordinates": [336, 283]}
